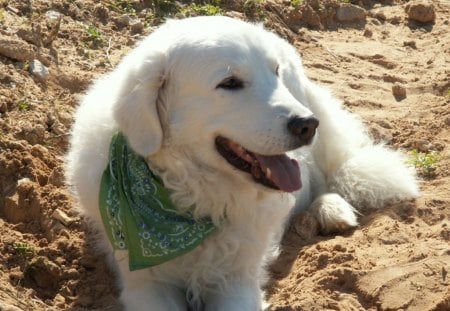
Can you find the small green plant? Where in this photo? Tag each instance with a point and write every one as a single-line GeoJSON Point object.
{"type": "Point", "coordinates": [425, 163]}
{"type": "Point", "coordinates": [297, 3]}
{"type": "Point", "coordinates": [205, 9]}
{"type": "Point", "coordinates": [24, 249]}
{"type": "Point", "coordinates": [164, 8]}
{"type": "Point", "coordinates": [21, 247]}
{"type": "Point", "coordinates": [2, 15]}
{"type": "Point", "coordinates": [23, 105]}
{"type": "Point", "coordinates": [94, 35]}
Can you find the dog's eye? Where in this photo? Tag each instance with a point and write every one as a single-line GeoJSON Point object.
{"type": "Point", "coordinates": [231, 83]}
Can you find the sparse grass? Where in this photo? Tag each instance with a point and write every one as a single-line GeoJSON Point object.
{"type": "Point", "coordinates": [122, 6]}
{"type": "Point", "coordinates": [203, 9]}
{"type": "Point", "coordinates": [254, 9]}
{"type": "Point", "coordinates": [206, 9]}
{"type": "Point", "coordinates": [94, 35]}
{"type": "Point", "coordinates": [23, 105]}
{"type": "Point", "coordinates": [425, 163]}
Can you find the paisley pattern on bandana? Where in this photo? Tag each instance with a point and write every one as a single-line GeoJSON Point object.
{"type": "Point", "coordinates": [138, 214]}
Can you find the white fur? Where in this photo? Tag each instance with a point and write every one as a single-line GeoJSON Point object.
{"type": "Point", "coordinates": [163, 97]}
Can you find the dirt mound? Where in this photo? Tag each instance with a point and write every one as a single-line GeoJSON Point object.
{"type": "Point", "coordinates": [388, 60]}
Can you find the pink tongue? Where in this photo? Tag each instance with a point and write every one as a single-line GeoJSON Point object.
{"type": "Point", "coordinates": [284, 171]}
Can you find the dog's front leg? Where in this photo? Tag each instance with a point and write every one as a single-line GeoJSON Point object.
{"type": "Point", "coordinates": [240, 296]}
{"type": "Point", "coordinates": [153, 296]}
{"type": "Point", "coordinates": [141, 293]}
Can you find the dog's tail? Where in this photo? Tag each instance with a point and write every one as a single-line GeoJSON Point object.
{"type": "Point", "coordinates": [374, 176]}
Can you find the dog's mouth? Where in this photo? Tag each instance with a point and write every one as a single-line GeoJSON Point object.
{"type": "Point", "coordinates": [275, 171]}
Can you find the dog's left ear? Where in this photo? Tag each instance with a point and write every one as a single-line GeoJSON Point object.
{"type": "Point", "coordinates": [136, 111]}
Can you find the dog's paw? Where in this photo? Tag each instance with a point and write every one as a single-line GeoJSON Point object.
{"type": "Point", "coordinates": [334, 213]}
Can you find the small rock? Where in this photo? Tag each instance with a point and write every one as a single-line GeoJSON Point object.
{"type": "Point", "coordinates": [53, 16]}
{"type": "Point", "coordinates": [16, 49]}
{"type": "Point", "coordinates": [380, 15]}
{"type": "Point", "coordinates": [447, 121]}
{"type": "Point", "coordinates": [136, 25]}
{"type": "Point", "coordinates": [101, 12]}
{"type": "Point", "coordinates": [73, 273]}
{"type": "Point", "coordinates": [45, 273]}
{"type": "Point", "coordinates": [56, 177]}
{"type": "Point", "coordinates": [368, 33]}
{"type": "Point", "coordinates": [395, 20]}
{"type": "Point", "coordinates": [32, 132]}
{"type": "Point", "coordinates": [350, 13]}
{"type": "Point", "coordinates": [423, 145]}
{"type": "Point", "coordinates": [123, 20]}
{"type": "Point", "coordinates": [62, 217]}
{"type": "Point", "coordinates": [58, 128]}
{"type": "Point", "coordinates": [399, 91]}
{"type": "Point", "coordinates": [38, 70]}
{"type": "Point", "coordinates": [380, 134]}
{"type": "Point", "coordinates": [385, 124]}
{"type": "Point", "coordinates": [421, 11]}
{"type": "Point", "coordinates": [411, 44]}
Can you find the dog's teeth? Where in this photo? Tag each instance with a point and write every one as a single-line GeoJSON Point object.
{"type": "Point", "coordinates": [268, 173]}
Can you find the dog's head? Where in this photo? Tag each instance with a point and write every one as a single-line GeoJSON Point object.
{"type": "Point", "coordinates": [231, 92]}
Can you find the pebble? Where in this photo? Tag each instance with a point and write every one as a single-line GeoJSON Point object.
{"type": "Point", "coordinates": [399, 91]}
{"type": "Point", "coordinates": [56, 177]}
{"type": "Point", "coordinates": [38, 70]}
{"type": "Point", "coordinates": [101, 11]}
{"type": "Point", "coordinates": [423, 145]}
{"type": "Point", "coordinates": [421, 11]}
{"type": "Point", "coordinates": [123, 20]}
{"type": "Point", "coordinates": [350, 13]}
{"type": "Point", "coordinates": [368, 33]}
{"type": "Point", "coordinates": [58, 128]}
{"type": "Point", "coordinates": [136, 25]}
{"type": "Point", "coordinates": [62, 217]}
{"type": "Point", "coordinates": [73, 273]}
{"type": "Point", "coordinates": [53, 16]}
{"type": "Point", "coordinates": [447, 121]}
{"type": "Point", "coordinates": [411, 44]}
{"type": "Point", "coordinates": [44, 272]}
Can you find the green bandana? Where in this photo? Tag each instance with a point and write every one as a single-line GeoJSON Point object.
{"type": "Point", "coordinates": [138, 214]}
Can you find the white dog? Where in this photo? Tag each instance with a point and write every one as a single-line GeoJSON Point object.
{"type": "Point", "coordinates": [222, 112]}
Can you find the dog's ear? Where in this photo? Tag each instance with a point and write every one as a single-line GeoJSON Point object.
{"type": "Point", "coordinates": [136, 111]}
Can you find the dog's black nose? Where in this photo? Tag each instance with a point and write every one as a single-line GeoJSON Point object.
{"type": "Point", "coordinates": [303, 128]}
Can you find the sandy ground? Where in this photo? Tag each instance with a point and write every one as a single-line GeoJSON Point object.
{"type": "Point", "coordinates": [390, 69]}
